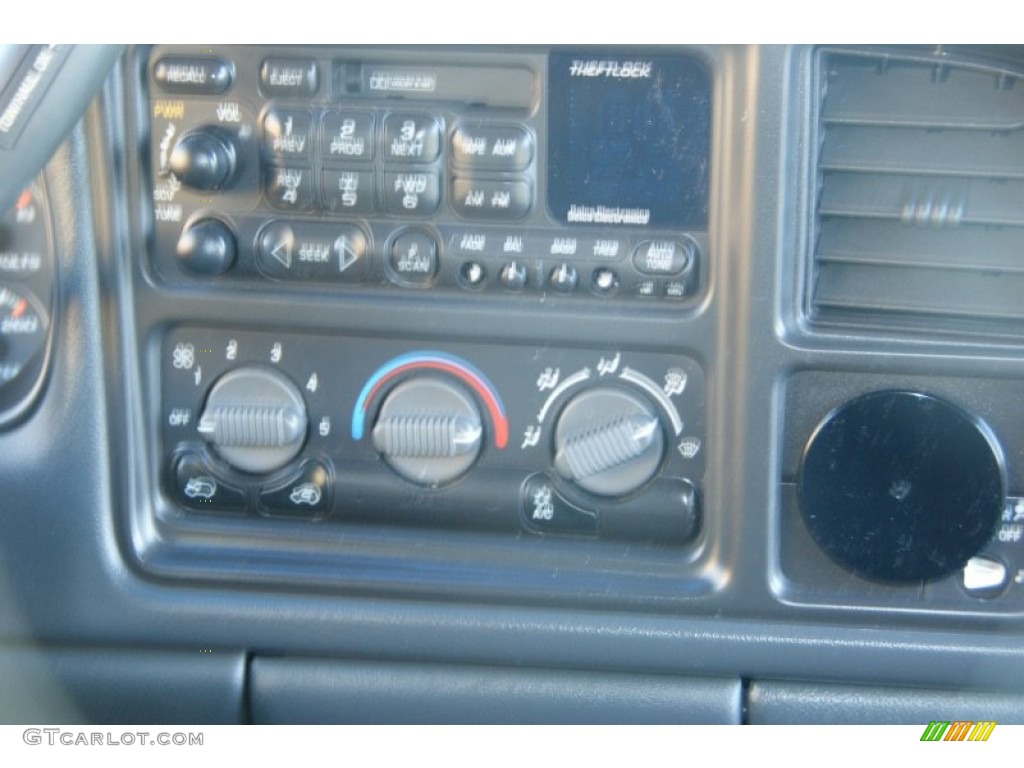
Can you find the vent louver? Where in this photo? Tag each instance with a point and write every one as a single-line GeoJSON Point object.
{"type": "Point", "coordinates": [920, 204]}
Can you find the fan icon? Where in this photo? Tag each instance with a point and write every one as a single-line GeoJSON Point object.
{"type": "Point", "coordinates": [184, 356]}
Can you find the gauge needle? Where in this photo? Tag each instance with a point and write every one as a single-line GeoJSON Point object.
{"type": "Point", "coordinates": [19, 308]}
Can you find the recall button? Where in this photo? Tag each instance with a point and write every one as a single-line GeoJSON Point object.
{"type": "Point", "coordinates": [193, 74]}
{"type": "Point", "coordinates": [289, 77]}
{"type": "Point", "coordinates": [662, 257]}
{"type": "Point", "coordinates": [492, 147]}
{"type": "Point", "coordinates": [490, 200]}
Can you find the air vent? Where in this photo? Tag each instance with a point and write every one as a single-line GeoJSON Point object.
{"type": "Point", "coordinates": [920, 205]}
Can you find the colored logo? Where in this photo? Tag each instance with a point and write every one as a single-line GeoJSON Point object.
{"type": "Point", "coordinates": [958, 730]}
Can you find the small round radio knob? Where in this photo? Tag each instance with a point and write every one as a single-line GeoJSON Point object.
{"type": "Point", "coordinates": [204, 159]}
{"type": "Point", "coordinates": [608, 441]}
{"type": "Point", "coordinates": [207, 247]}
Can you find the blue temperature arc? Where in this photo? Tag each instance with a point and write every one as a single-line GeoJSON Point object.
{"type": "Point", "coordinates": [436, 361]}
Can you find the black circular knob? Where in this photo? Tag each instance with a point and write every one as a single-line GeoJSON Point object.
{"type": "Point", "coordinates": [901, 486]}
{"type": "Point", "coordinates": [204, 159]}
{"type": "Point", "coordinates": [207, 247]}
{"type": "Point", "coordinates": [608, 441]}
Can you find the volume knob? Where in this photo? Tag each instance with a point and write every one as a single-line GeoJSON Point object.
{"type": "Point", "coordinates": [204, 159]}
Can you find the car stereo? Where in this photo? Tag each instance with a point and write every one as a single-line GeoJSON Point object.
{"type": "Point", "coordinates": [565, 173]}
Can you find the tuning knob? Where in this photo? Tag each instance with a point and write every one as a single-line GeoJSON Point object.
{"type": "Point", "coordinates": [901, 486]}
{"type": "Point", "coordinates": [255, 418]}
{"type": "Point", "coordinates": [204, 159]}
{"type": "Point", "coordinates": [429, 431]}
{"type": "Point", "coordinates": [608, 441]}
{"type": "Point", "coordinates": [207, 247]}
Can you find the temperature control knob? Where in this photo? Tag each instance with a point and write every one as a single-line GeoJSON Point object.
{"type": "Point", "coordinates": [255, 418]}
{"type": "Point", "coordinates": [204, 159]}
{"type": "Point", "coordinates": [429, 431]}
{"type": "Point", "coordinates": [608, 441]}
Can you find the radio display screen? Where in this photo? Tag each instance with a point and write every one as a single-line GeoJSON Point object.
{"type": "Point", "coordinates": [629, 140]}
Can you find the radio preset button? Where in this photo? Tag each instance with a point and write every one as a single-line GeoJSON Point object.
{"type": "Point", "coordinates": [490, 200]}
{"type": "Point", "coordinates": [349, 191]}
{"type": "Point", "coordinates": [413, 258]}
{"type": "Point", "coordinates": [492, 147]}
{"type": "Point", "coordinates": [297, 78]}
{"type": "Point", "coordinates": [412, 194]}
{"type": "Point", "coordinates": [193, 74]}
{"type": "Point", "coordinates": [411, 138]}
{"type": "Point", "coordinates": [662, 257]}
{"type": "Point", "coordinates": [307, 251]}
{"type": "Point", "coordinates": [347, 136]}
{"type": "Point", "coordinates": [289, 188]}
{"type": "Point", "coordinates": [287, 134]}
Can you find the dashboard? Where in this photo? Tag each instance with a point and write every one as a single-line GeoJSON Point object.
{"type": "Point", "coordinates": [517, 384]}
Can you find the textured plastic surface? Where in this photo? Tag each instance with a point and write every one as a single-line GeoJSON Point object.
{"type": "Point", "coordinates": [309, 691]}
{"type": "Point", "coordinates": [120, 686]}
{"type": "Point", "coordinates": [781, 703]}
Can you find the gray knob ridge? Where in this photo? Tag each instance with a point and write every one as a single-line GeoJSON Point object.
{"type": "Point", "coordinates": [608, 441]}
{"type": "Point", "coordinates": [255, 418]}
{"type": "Point", "coordinates": [429, 431]}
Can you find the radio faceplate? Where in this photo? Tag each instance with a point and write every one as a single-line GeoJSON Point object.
{"type": "Point", "coordinates": [454, 171]}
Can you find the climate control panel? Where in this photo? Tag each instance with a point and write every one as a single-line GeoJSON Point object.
{"type": "Point", "coordinates": [596, 443]}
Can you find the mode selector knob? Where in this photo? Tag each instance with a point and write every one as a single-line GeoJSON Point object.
{"type": "Point", "coordinates": [608, 441]}
{"type": "Point", "coordinates": [429, 431]}
{"type": "Point", "coordinates": [205, 159]}
{"type": "Point", "coordinates": [255, 418]}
